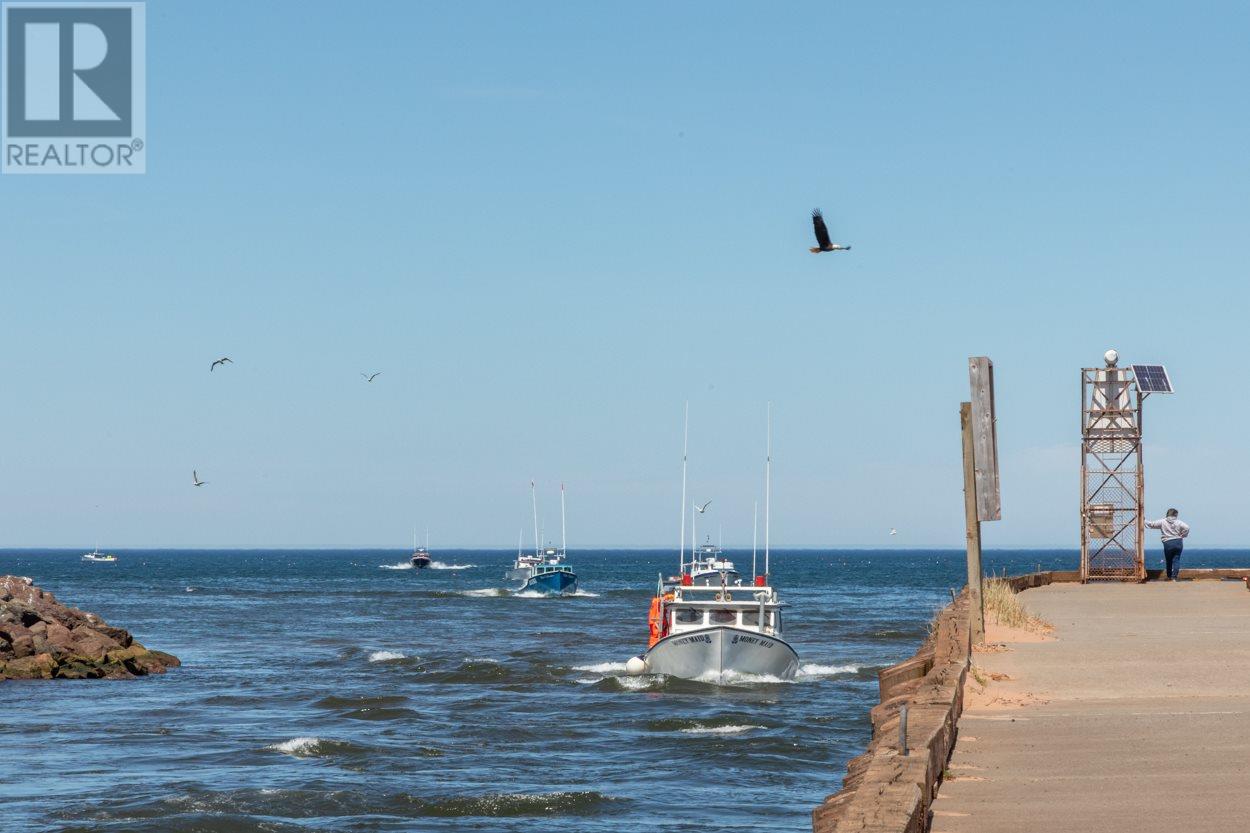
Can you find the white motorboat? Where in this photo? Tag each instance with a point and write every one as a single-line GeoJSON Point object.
{"type": "Point", "coordinates": [96, 555]}
{"type": "Point", "coordinates": [718, 631]}
{"type": "Point", "coordinates": [709, 563]}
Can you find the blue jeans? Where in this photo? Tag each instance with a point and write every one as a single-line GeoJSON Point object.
{"type": "Point", "coordinates": [1172, 557]}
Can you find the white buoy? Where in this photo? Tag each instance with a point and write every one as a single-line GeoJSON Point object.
{"type": "Point", "coordinates": [636, 666]}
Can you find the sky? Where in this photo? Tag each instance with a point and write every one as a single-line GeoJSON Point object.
{"type": "Point", "coordinates": [551, 225]}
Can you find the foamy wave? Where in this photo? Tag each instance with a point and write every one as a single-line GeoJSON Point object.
{"type": "Point", "coordinates": [403, 565]}
{"type": "Point", "coordinates": [585, 594]}
{"type": "Point", "coordinates": [643, 682]}
{"type": "Point", "coordinates": [483, 592]}
{"type": "Point", "coordinates": [299, 747]}
{"type": "Point", "coordinates": [438, 565]}
{"type": "Point", "coordinates": [719, 730]}
{"type": "Point", "coordinates": [384, 656]}
{"type": "Point", "coordinates": [535, 594]}
{"type": "Point", "coordinates": [602, 668]}
{"type": "Point", "coordinates": [811, 670]}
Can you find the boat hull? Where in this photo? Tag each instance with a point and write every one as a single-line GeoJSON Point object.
{"type": "Point", "coordinates": [420, 563]}
{"type": "Point", "coordinates": [558, 583]}
{"type": "Point", "coordinates": [715, 653]}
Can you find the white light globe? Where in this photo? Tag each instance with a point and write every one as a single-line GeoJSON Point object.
{"type": "Point", "coordinates": [1111, 357]}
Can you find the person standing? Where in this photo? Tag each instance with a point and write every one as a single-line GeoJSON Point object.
{"type": "Point", "coordinates": [1173, 531]}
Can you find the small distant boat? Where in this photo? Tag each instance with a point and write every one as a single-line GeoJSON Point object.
{"type": "Point", "coordinates": [96, 555]}
{"type": "Point", "coordinates": [713, 629]}
{"type": "Point", "coordinates": [709, 564]}
{"type": "Point", "coordinates": [545, 571]}
{"type": "Point", "coordinates": [420, 555]}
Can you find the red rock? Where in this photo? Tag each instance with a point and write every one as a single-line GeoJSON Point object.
{"type": "Point", "coordinates": [91, 643]}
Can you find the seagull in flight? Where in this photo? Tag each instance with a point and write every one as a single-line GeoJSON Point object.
{"type": "Point", "coordinates": [369, 377]}
{"type": "Point", "coordinates": [703, 508]}
{"type": "Point", "coordinates": [823, 243]}
{"type": "Point", "coordinates": [222, 360]}
{"type": "Point", "coordinates": [195, 478]}
{"type": "Point", "coordinates": [893, 531]}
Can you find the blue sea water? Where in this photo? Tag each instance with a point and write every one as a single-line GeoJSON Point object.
{"type": "Point", "coordinates": [337, 691]}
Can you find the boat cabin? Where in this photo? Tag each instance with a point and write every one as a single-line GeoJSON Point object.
{"type": "Point", "coordinates": [696, 607]}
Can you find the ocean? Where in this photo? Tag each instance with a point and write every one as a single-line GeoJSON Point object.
{"type": "Point", "coordinates": [341, 691]}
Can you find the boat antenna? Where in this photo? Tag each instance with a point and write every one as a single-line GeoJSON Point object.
{"type": "Point", "coordinates": [534, 501]}
{"type": "Point", "coordinates": [768, 486]}
{"type": "Point", "coordinates": [694, 534]}
{"type": "Point", "coordinates": [564, 533]}
{"type": "Point", "coordinates": [520, 535]}
{"type": "Point", "coordinates": [685, 439]}
{"type": "Point", "coordinates": [755, 531]}
{"type": "Point", "coordinates": [427, 537]}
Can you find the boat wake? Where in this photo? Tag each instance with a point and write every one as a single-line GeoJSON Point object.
{"type": "Point", "coordinates": [438, 565]}
{"type": "Point", "coordinates": [403, 565]}
{"type": "Point", "coordinates": [814, 671]}
{"type": "Point", "coordinates": [534, 594]}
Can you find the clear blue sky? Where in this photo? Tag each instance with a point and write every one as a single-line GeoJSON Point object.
{"type": "Point", "coordinates": [548, 225]}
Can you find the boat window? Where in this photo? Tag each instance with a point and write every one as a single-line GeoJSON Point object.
{"type": "Point", "coordinates": [751, 618]}
{"type": "Point", "coordinates": [687, 616]}
{"type": "Point", "coordinates": [724, 617]}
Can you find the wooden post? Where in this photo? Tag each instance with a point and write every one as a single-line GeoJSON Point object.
{"type": "Point", "coordinates": [976, 605]}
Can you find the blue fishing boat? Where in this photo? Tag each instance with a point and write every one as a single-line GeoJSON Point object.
{"type": "Point", "coordinates": [545, 572]}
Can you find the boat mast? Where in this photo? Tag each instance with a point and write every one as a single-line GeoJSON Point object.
{"type": "Point", "coordinates": [768, 486]}
{"type": "Point", "coordinates": [564, 532]}
{"type": "Point", "coordinates": [755, 531]}
{"type": "Point", "coordinates": [427, 537]}
{"type": "Point", "coordinates": [520, 536]}
{"type": "Point", "coordinates": [685, 439]}
{"type": "Point", "coordinates": [534, 501]}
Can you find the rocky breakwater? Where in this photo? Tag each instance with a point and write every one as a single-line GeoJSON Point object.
{"type": "Point", "coordinates": [40, 638]}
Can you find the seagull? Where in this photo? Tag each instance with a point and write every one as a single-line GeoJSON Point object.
{"type": "Point", "coordinates": [369, 377]}
{"type": "Point", "coordinates": [195, 478]}
{"type": "Point", "coordinates": [893, 531]}
{"type": "Point", "coordinates": [703, 508]}
{"type": "Point", "coordinates": [222, 360]}
{"type": "Point", "coordinates": [823, 244]}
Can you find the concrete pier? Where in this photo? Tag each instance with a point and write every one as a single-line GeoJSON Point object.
{"type": "Point", "coordinates": [1138, 717]}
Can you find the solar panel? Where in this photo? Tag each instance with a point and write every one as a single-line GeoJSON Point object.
{"type": "Point", "coordinates": [1152, 378]}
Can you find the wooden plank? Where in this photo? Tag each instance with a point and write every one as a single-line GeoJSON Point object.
{"type": "Point", "coordinates": [976, 606]}
{"type": "Point", "coordinates": [985, 438]}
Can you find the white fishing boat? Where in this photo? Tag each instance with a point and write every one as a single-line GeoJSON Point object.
{"type": "Point", "coordinates": [709, 564]}
{"type": "Point", "coordinates": [420, 555]}
{"type": "Point", "coordinates": [96, 555]}
{"type": "Point", "coordinates": [545, 571]}
{"type": "Point", "coordinates": [718, 631]}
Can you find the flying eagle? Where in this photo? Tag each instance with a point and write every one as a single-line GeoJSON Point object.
{"type": "Point", "coordinates": [823, 243]}
{"type": "Point", "coordinates": [222, 360]}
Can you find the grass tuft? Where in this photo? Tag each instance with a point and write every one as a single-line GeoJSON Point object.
{"type": "Point", "coordinates": [1004, 605]}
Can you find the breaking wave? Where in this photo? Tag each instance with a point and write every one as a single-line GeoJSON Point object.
{"type": "Point", "coordinates": [311, 747]}
{"type": "Point", "coordinates": [385, 656]}
{"type": "Point", "coordinates": [438, 565]}
{"type": "Point", "coordinates": [732, 729]}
